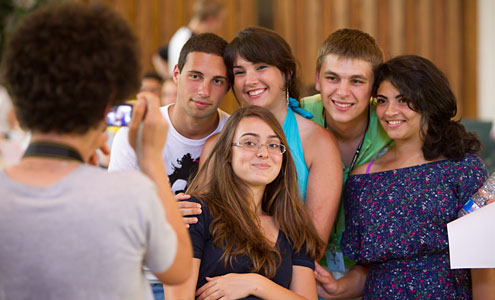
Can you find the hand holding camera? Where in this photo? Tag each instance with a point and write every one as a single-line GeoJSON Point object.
{"type": "Point", "coordinates": [148, 130]}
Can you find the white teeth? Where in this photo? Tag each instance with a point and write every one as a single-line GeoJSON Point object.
{"type": "Point", "coordinates": [255, 92]}
{"type": "Point", "coordinates": [343, 105]}
{"type": "Point", "coordinates": [394, 122]}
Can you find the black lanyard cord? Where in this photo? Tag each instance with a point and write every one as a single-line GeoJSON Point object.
{"type": "Point", "coordinates": [358, 150]}
{"type": "Point", "coordinates": [52, 150]}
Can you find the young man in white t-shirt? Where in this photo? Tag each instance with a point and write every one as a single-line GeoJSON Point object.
{"type": "Point", "coordinates": [201, 78]}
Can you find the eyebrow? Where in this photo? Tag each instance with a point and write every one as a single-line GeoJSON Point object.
{"type": "Point", "coordinates": [360, 76]}
{"type": "Point", "coordinates": [220, 77]}
{"type": "Point", "coordinates": [201, 73]}
{"type": "Point", "coordinates": [257, 135]}
{"type": "Point", "coordinates": [195, 72]}
{"type": "Point", "coordinates": [396, 97]}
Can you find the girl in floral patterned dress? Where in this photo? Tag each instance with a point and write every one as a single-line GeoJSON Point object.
{"type": "Point", "coordinates": [397, 206]}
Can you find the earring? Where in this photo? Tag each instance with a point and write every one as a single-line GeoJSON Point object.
{"type": "Point", "coordinates": [287, 97]}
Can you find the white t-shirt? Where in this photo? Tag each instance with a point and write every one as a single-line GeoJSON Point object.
{"type": "Point", "coordinates": [181, 154]}
{"type": "Point", "coordinates": [178, 40]}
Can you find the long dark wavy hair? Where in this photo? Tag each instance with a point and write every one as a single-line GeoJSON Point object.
{"type": "Point", "coordinates": [261, 45]}
{"type": "Point", "coordinates": [235, 227]}
{"type": "Point", "coordinates": [427, 91]}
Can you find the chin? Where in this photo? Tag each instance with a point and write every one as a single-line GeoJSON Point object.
{"type": "Point", "coordinates": [254, 102]}
{"type": "Point", "coordinates": [342, 117]}
{"type": "Point", "coordinates": [259, 181]}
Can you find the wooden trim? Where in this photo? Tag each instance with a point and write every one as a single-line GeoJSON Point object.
{"type": "Point", "coordinates": [355, 14]}
{"type": "Point", "coordinates": [411, 27]}
{"type": "Point", "coordinates": [424, 32]}
{"type": "Point", "coordinates": [439, 34]}
{"type": "Point", "coordinates": [454, 49]}
{"type": "Point", "coordinates": [328, 22]}
{"type": "Point", "coordinates": [397, 27]}
{"type": "Point", "coordinates": [341, 14]}
{"type": "Point", "coordinates": [369, 24]}
{"type": "Point", "coordinates": [470, 59]}
{"type": "Point", "coordinates": [383, 26]}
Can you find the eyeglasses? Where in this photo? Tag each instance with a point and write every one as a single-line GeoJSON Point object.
{"type": "Point", "coordinates": [250, 145]}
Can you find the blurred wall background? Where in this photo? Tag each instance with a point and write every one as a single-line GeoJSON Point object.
{"type": "Point", "coordinates": [457, 35]}
{"type": "Point", "coordinates": [486, 60]}
{"type": "Point", "coordinates": [445, 31]}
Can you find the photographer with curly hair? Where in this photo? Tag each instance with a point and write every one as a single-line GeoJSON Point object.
{"type": "Point", "coordinates": [70, 230]}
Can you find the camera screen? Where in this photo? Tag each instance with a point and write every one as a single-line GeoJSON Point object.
{"type": "Point", "coordinates": [119, 115]}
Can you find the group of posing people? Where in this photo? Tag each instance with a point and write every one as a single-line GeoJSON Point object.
{"type": "Point", "coordinates": [259, 191]}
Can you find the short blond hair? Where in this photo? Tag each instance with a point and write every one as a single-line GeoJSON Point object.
{"type": "Point", "coordinates": [350, 43]}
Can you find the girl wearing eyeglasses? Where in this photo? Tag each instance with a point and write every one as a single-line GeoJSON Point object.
{"type": "Point", "coordinates": [253, 238]}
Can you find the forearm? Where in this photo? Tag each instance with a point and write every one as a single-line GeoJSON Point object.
{"type": "Point", "coordinates": [322, 212]}
{"type": "Point", "coordinates": [483, 282]}
{"type": "Point", "coordinates": [156, 172]}
{"type": "Point", "coordinates": [323, 192]}
{"type": "Point", "coordinates": [184, 291]}
{"type": "Point", "coordinates": [264, 288]}
{"type": "Point", "coordinates": [352, 284]}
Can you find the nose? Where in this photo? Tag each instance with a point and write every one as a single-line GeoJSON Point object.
{"type": "Point", "coordinates": [251, 78]}
{"type": "Point", "coordinates": [390, 108]}
{"type": "Point", "coordinates": [204, 89]}
{"type": "Point", "coordinates": [262, 151]}
{"type": "Point", "coordinates": [343, 89]}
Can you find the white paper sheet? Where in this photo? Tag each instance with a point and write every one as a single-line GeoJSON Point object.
{"type": "Point", "coordinates": [472, 239]}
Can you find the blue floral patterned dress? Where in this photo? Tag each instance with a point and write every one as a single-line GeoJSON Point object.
{"type": "Point", "coordinates": [396, 224]}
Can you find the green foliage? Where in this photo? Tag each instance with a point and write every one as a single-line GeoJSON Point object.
{"type": "Point", "coordinates": [12, 12]}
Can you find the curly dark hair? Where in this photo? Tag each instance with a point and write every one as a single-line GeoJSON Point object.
{"type": "Point", "coordinates": [66, 63]}
{"type": "Point", "coordinates": [261, 45]}
{"type": "Point", "coordinates": [427, 91]}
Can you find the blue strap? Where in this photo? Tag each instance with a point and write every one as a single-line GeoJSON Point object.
{"type": "Point", "coordinates": [291, 131]}
{"type": "Point", "coordinates": [294, 106]}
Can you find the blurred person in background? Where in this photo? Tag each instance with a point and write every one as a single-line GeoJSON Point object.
{"type": "Point", "coordinates": [13, 140]}
{"type": "Point", "coordinates": [169, 91]}
{"type": "Point", "coordinates": [208, 16]}
{"type": "Point", "coordinates": [151, 82]}
{"type": "Point", "coordinates": [160, 62]}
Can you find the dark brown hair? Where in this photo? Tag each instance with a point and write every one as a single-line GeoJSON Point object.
{"type": "Point", "coordinates": [235, 227]}
{"type": "Point", "coordinates": [350, 43]}
{"type": "Point", "coordinates": [427, 91]}
{"type": "Point", "coordinates": [206, 42]}
{"type": "Point", "coordinates": [66, 63]}
{"type": "Point", "coordinates": [261, 45]}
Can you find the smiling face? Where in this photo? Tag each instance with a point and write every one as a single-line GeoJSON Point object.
{"type": "Point", "coordinates": [345, 85]}
{"type": "Point", "coordinates": [255, 168]}
{"type": "Point", "coordinates": [397, 118]}
{"type": "Point", "coordinates": [259, 84]}
{"type": "Point", "coordinates": [201, 85]}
